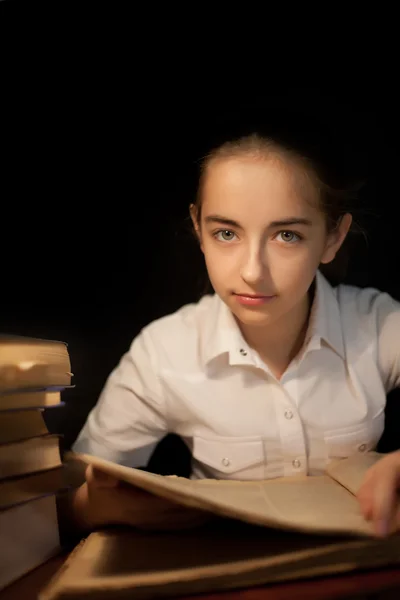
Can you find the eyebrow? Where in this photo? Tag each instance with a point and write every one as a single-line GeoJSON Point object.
{"type": "Point", "coordinates": [282, 223]}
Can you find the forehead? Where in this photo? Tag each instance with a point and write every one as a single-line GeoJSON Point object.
{"type": "Point", "coordinates": [267, 188]}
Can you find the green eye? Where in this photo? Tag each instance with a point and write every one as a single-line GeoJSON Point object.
{"type": "Point", "coordinates": [289, 236]}
{"type": "Point", "coordinates": [224, 235]}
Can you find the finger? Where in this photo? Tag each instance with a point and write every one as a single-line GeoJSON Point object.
{"type": "Point", "coordinates": [364, 497]}
{"type": "Point", "coordinates": [99, 478]}
{"type": "Point", "coordinates": [384, 501]}
{"type": "Point", "coordinates": [396, 520]}
{"type": "Point", "coordinates": [366, 510]}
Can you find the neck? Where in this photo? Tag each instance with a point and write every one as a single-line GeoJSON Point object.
{"type": "Point", "coordinates": [280, 342]}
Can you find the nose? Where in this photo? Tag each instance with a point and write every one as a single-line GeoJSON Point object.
{"type": "Point", "coordinates": [254, 266]}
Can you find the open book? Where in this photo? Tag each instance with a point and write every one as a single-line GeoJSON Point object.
{"type": "Point", "coordinates": [323, 504]}
{"type": "Point", "coordinates": [281, 529]}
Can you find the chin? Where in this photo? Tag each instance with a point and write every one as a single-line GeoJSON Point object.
{"type": "Point", "coordinates": [252, 316]}
{"type": "Point", "coordinates": [255, 321]}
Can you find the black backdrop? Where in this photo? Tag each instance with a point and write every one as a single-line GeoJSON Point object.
{"type": "Point", "coordinates": [95, 192]}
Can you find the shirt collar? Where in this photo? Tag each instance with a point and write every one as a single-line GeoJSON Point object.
{"type": "Point", "coordinates": [221, 334]}
{"type": "Point", "coordinates": [325, 321]}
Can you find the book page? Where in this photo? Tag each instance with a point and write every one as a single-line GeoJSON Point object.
{"type": "Point", "coordinates": [125, 563]}
{"type": "Point", "coordinates": [28, 456]}
{"type": "Point", "coordinates": [350, 472]}
{"type": "Point", "coordinates": [29, 399]}
{"type": "Point", "coordinates": [30, 374]}
{"type": "Point", "coordinates": [19, 425]}
{"type": "Point", "coordinates": [33, 363]}
{"type": "Point", "coordinates": [24, 489]}
{"type": "Point", "coordinates": [15, 349]}
{"type": "Point", "coordinates": [28, 536]}
{"type": "Point", "coordinates": [308, 504]}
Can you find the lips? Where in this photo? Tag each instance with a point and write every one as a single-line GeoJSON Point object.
{"type": "Point", "coordinates": [253, 295]}
{"type": "Point", "coordinates": [253, 299]}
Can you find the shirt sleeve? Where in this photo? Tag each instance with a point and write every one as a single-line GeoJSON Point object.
{"type": "Point", "coordinates": [128, 420]}
{"type": "Point", "coordinates": [388, 331]}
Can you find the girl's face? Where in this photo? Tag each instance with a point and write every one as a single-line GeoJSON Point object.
{"type": "Point", "coordinates": [263, 236]}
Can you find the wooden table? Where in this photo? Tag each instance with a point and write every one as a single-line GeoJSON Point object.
{"type": "Point", "coordinates": [380, 584]}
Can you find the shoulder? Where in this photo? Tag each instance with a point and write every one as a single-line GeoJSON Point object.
{"type": "Point", "coordinates": [178, 334]}
{"type": "Point", "coordinates": [373, 318]}
{"type": "Point", "coordinates": [367, 306]}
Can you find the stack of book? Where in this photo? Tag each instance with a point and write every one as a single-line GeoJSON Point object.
{"type": "Point", "coordinates": [33, 375]}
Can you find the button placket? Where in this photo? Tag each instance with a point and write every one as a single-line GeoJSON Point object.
{"type": "Point", "coordinates": [293, 444]}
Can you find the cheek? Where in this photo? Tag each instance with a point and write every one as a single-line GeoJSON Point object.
{"type": "Point", "coordinates": [294, 269]}
{"type": "Point", "coordinates": [222, 264]}
{"type": "Point", "coordinates": [298, 258]}
{"type": "Point", "coordinates": [218, 261]}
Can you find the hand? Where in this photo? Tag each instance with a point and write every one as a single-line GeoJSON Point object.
{"type": "Point", "coordinates": [378, 494]}
{"type": "Point", "coordinates": [110, 501]}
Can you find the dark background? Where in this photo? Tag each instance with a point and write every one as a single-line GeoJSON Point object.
{"type": "Point", "coordinates": [96, 178]}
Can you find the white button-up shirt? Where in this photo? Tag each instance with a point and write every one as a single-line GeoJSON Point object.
{"type": "Point", "coordinates": [192, 373]}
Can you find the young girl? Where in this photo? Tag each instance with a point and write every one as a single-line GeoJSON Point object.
{"type": "Point", "coordinates": [275, 374]}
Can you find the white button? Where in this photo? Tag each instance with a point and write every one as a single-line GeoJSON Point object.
{"type": "Point", "coordinates": [362, 448]}
{"type": "Point", "coordinates": [243, 352]}
{"type": "Point", "coordinates": [226, 462]}
{"type": "Point", "coordinates": [296, 463]}
{"type": "Point", "coordinates": [288, 414]}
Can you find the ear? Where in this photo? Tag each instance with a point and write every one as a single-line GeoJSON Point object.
{"type": "Point", "coordinates": [336, 238]}
{"type": "Point", "coordinates": [194, 216]}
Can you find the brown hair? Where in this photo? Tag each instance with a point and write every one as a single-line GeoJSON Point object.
{"type": "Point", "coordinates": [336, 195]}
